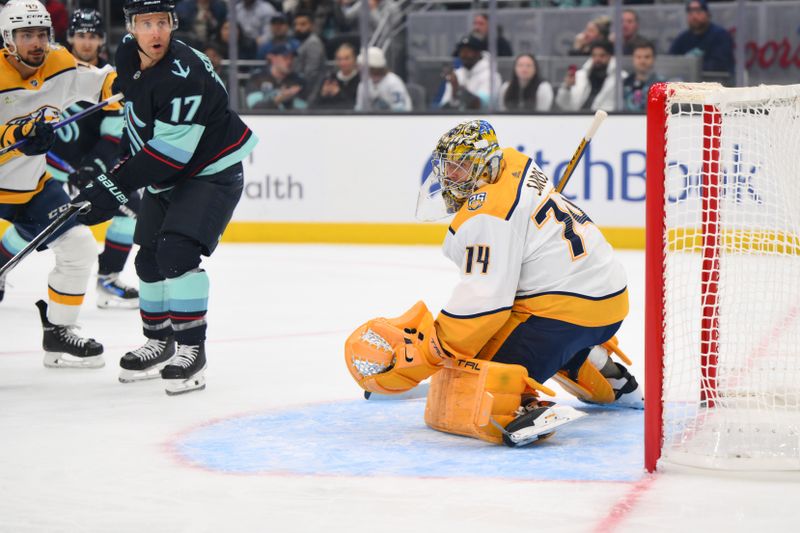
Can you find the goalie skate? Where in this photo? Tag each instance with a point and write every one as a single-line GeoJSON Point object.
{"type": "Point", "coordinates": [186, 371]}
{"type": "Point", "coordinates": [113, 294]}
{"type": "Point", "coordinates": [64, 349]}
{"type": "Point", "coordinates": [146, 361]}
{"type": "Point", "coordinates": [537, 421]}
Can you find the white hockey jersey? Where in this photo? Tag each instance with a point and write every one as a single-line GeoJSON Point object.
{"type": "Point", "coordinates": [60, 82]}
{"type": "Point", "coordinates": [525, 250]}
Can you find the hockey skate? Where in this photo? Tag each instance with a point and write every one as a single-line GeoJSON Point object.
{"type": "Point", "coordinates": [64, 349]}
{"type": "Point", "coordinates": [146, 361]}
{"type": "Point", "coordinates": [2, 287]}
{"type": "Point", "coordinates": [535, 421]}
{"type": "Point", "coordinates": [113, 294]}
{"type": "Point", "coordinates": [185, 372]}
{"type": "Point", "coordinates": [627, 391]}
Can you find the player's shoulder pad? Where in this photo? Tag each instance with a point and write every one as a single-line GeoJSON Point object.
{"type": "Point", "coordinates": [498, 199]}
{"type": "Point", "coordinates": [58, 61]}
{"type": "Point", "coordinates": [184, 63]}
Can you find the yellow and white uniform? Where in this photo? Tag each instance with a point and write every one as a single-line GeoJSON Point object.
{"type": "Point", "coordinates": [27, 200]}
{"type": "Point", "coordinates": [524, 250]}
{"type": "Point", "coordinates": [60, 82]}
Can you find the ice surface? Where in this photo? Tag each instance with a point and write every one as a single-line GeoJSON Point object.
{"type": "Point", "coordinates": [282, 441]}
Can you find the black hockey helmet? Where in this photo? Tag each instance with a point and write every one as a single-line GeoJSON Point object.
{"type": "Point", "coordinates": [86, 20]}
{"type": "Point", "coordinates": [131, 8]}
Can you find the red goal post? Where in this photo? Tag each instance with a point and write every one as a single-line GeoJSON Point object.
{"type": "Point", "coordinates": [722, 298]}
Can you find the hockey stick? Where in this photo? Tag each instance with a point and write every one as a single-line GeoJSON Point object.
{"type": "Point", "coordinates": [420, 391]}
{"type": "Point", "coordinates": [66, 167]}
{"type": "Point", "coordinates": [60, 220]}
{"type": "Point", "coordinates": [77, 116]}
{"type": "Point", "coordinates": [599, 117]}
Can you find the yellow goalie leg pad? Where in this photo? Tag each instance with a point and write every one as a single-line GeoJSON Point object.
{"type": "Point", "coordinates": [591, 386]}
{"type": "Point", "coordinates": [465, 394]}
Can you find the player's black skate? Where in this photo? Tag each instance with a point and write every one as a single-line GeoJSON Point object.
{"type": "Point", "coordinates": [2, 287]}
{"type": "Point", "coordinates": [146, 361]}
{"type": "Point", "coordinates": [64, 349]}
{"type": "Point", "coordinates": [185, 372]}
{"type": "Point", "coordinates": [536, 420]}
{"type": "Point", "coordinates": [113, 294]}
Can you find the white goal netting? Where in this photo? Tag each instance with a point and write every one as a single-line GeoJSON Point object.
{"type": "Point", "coordinates": [731, 339]}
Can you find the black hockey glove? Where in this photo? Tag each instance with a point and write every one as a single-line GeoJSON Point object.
{"type": "Point", "coordinates": [84, 175]}
{"type": "Point", "coordinates": [39, 134]}
{"type": "Point", "coordinates": [105, 196]}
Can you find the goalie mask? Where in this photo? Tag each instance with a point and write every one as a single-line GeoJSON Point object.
{"type": "Point", "coordinates": [22, 14]}
{"type": "Point", "coordinates": [466, 158]}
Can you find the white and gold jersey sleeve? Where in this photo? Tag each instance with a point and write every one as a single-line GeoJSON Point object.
{"type": "Point", "coordinates": [58, 83]}
{"type": "Point", "coordinates": [525, 250]}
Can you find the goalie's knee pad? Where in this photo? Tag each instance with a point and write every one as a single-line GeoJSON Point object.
{"type": "Point", "coordinates": [473, 397]}
{"type": "Point", "coordinates": [601, 380]}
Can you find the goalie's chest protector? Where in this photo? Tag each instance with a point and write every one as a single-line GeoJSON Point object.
{"type": "Point", "coordinates": [520, 243]}
{"type": "Point", "coordinates": [177, 112]}
{"type": "Point", "coordinates": [59, 82]}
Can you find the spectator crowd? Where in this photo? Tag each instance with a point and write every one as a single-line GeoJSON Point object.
{"type": "Point", "coordinates": [305, 54]}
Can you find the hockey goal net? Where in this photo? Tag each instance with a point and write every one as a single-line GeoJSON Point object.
{"type": "Point", "coordinates": [722, 337]}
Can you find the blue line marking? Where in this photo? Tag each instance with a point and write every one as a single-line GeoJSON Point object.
{"type": "Point", "coordinates": [362, 438]}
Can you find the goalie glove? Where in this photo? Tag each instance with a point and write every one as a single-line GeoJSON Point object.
{"type": "Point", "coordinates": [394, 355]}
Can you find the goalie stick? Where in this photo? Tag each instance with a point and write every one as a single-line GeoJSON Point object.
{"type": "Point", "coordinates": [599, 117]}
{"type": "Point", "coordinates": [77, 116]}
{"type": "Point", "coordinates": [59, 221]}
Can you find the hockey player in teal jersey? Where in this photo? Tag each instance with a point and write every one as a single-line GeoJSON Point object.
{"type": "Point", "coordinates": [186, 147]}
{"type": "Point", "coordinates": [90, 146]}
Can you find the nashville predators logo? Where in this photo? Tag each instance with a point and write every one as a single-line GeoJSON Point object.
{"type": "Point", "coordinates": [46, 113]}
{"type": "Point", "coordinates": [476, 201]}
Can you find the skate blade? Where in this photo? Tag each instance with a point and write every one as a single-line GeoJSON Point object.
{"type": "Point", "coordinates": [174, 387]}
{"type": "Point", "coordinates": [62, 360]}
{"type": "Point", "coordinates": [131, 376]}
{"type": "Point", "coordinates": [545, 426]}
{"type": "Point", "coordinates": [117, 303]}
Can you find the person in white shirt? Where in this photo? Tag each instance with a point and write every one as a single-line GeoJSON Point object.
{"type": "Point", "coordinates": [383, 90]}
{"type": "Point", "coordinates": [472, 85]}
{"type": "Point", "coordinates": [592, 86]}
{"type": "Point", "coordinates": [526, 90]}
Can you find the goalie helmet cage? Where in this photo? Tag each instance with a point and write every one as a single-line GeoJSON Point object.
{"type": "Point", "coordinates": [722, 309]}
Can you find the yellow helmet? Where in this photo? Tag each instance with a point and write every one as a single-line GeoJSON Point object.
{"type": "Point", "coordinates": [466, 158]}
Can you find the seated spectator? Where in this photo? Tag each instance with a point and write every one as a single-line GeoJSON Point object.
{"type": "Point", "coordinates": [469, 86]}
{"type": "Point", "coordinates": [276, 87]}
{"type": "Point", "coordinates": [310, 62]}
{"type": "Point", "coordinates": [246, 45]}
{"type": "Point", "coordinates": [322, 13]}
{"type": "Point", "coordinates": [480, 29]}
{"type": "Point", "coordinates": [704, 39]}
{"type": "Point", "coordinates": [630, 31]}
{"type": "Point", "coordinates": [526, 91]}
{"type": "Point", "coordinates": [596, 29]}
{"type": "Point", "coordinates": [280, 35]}
{"type": "Point", "coordinates": [383, 89]}
{"type": "Point", "coordinates": [338, 91]}
{"type": "Point", "coordinates": [253, 16]}
{"type": "Point", "coordinates": [201, 18]}
{"type": "Point", "coordinates": [637, 84]}
{"type": "Point", "coordinates": [591, 87]}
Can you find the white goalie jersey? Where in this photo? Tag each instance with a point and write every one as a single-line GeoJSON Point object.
{"type": "Point", "coordinates": [58, 83]}
{"type": "Point", "coordinates": [523, 250]}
